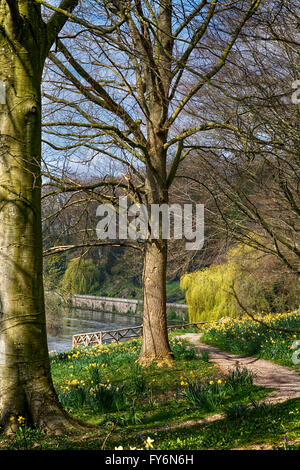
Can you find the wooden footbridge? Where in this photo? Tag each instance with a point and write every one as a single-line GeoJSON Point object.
{"type": "Point", "coordinates": [103, 337]}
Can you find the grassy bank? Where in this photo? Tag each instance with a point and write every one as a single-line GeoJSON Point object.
{"type": "Point", "coordinates": [246, 337]}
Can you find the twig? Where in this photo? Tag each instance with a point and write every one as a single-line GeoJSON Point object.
{"type": "Point", "coordinates": [108, 436]}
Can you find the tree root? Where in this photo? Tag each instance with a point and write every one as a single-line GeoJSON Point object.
{"type": "Point", "coordinates": [147, 360]}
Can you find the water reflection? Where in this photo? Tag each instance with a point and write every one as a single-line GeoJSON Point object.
{"type": "Point", "coordinates": [62, 327]}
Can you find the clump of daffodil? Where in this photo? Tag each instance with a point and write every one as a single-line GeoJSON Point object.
{"type": "Point", "coordinates": [19, 419]}
{"type": "Point", "coordinates": [183, 381]}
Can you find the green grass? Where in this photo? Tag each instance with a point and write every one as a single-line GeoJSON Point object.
{"type": "Point", "coordinates": [111, 372]}
{"type": "Point", "coordinates": [105, 386]}
{"type": "Point", "coordinates": [262, 424]}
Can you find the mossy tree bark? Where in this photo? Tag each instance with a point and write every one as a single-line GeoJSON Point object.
{"type": "Point", "coordinates": [26, 387]}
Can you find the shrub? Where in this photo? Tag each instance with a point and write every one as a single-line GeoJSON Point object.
{"type": "Point", "coordinates": [204, 356]}
{"type": "Point", "coordinates": [73, 395]}
{"type": "Point", "coordinates": [239, 379]}
{"type": "Point", "coordinates": [101, 396]}
{"type": "Point", "coordinates": [246, 411]}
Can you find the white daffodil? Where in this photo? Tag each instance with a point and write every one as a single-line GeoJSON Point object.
{"type": "Point", "coordinates": [148, 442]}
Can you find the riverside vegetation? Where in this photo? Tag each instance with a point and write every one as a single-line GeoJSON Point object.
{"type": "Point", "coordinates": [161, 408]}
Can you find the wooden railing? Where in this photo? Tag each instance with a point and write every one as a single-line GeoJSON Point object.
{"type": "Point", "coordinates": [102, 337]}
{"type": "Point", "coordinates": [109, 336]}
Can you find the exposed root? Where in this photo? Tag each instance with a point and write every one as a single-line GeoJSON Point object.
{"type": "Point", "coordinates": [53, 422]}
{"type": "Point", "coordinates": [58, 429]}
{"type": "Point", "coordinates": [147, 360]}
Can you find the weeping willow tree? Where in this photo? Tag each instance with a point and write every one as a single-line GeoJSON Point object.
{"type": "Point", "coordinates": [206, 293]}
{"type": "Point", "coordinates": [81, 277]}
{"type": "Point", "coordinates": [258, 284]}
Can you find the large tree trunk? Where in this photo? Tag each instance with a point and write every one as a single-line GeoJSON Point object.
{"type": "Point", "coordinates": [155, 345]}
{"type": "Point", "coordinates": [26, 387]}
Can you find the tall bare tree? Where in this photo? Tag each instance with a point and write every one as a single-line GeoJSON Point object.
{"type": "Point", "coordinates": [125, 96]}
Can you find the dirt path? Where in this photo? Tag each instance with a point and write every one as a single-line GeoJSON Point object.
{"type": "Point", "coordinates": [285, 380]}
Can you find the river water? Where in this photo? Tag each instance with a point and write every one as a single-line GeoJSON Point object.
{"type": "Point", "coordinates": [74, 321]}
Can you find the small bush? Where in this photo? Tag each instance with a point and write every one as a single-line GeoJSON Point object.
{"type": "Point", "coordinates": [95, 375]}
{"type": "Point", "coordinates": [101, 396]}
{"type": "Point", "coordinates": [73, 396]}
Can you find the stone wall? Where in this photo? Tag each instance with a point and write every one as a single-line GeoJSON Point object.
{"type": "Point", "coordinates": [115, 305]}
